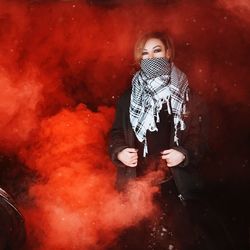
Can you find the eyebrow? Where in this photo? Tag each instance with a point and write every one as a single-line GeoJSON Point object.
{"type": "Point", "coordinates": [154, 47]}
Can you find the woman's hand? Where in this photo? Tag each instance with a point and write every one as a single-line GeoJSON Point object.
{"type": "Point", "coordinates": [128, 156]}
{"type": "Point", "coordinates": [173, 157]}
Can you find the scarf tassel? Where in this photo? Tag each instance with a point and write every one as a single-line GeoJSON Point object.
{"type": "Point", "coordinates": [187, 96]}
{"type": "Point", "coordinates": [168, 105]}
{"type": "Point", "coordinates": [145, 149]}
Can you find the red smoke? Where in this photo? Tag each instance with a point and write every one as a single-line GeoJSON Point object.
{"type": "Point", "coordinates": [241, 8]}
{"type": "Point", "coordinates": [57, 54]}
{"type": "Point", "coordinates": [19, 99]}
{"type": "Point", "coordinates": [81, 45]}
{"type": "Point", "coordinates": [76, 206]}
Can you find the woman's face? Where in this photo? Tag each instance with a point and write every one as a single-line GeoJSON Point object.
{"type": "Point", "coordinates": [153, 48]}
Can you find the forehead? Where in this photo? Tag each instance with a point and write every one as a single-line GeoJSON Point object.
{"type": "Point", "coordinates": [153, 42]}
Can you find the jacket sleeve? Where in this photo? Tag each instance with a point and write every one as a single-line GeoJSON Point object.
{"type": "Point", "coordinates": [116, 138]}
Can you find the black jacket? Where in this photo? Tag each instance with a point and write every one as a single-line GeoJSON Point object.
{"type": "Point", "coordinates": [192, 143]}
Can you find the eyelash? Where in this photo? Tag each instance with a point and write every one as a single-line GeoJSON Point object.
{"type": "Point", "coordinates": [155, 51]}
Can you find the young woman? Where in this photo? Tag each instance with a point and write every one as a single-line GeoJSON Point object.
{"type": "Point", "coordinates": [153, 122]}
{"type": "Point", "coordinates": [160, 124]}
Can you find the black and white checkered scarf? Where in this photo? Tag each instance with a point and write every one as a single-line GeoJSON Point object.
{"type": "Point", "coordinates": [158, 82]}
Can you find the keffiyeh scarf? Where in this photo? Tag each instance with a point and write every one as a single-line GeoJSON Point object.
{"type": "Point", "coordinates": [158, 82]}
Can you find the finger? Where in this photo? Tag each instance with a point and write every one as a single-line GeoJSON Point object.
{"type": "Point", "coordinates": [132, 154]}
{"type": "Point", "coordinates": [134, 164]}
{"type": "Point", "coordinates": [170, 165]}
{"type": "Point", "coordinates": [133, 161]}
{"type": "Point", "coordinates": [133, 158]}
{"type": "Point", "coordinates": [165, 157]}
{"type": "Point", "coordinates": [130, 157]}
{"type": "Point", "coordinates": [173, 162]}
{"type": "Point", "coordinates": [131, 150]}
{"type": "Point", "coordinates": [167, 162]}
{"type": "Point", "coordinates": [167, 151]}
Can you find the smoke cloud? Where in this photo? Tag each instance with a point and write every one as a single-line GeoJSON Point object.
{"type": "Point", "coordinates": [240, 8]}
{"type": "Point", "coordinates": [19, 98]}
{"type": "Point", "coordinates": [64, 63]}
{"type": "Point", "coordinates": [76, 205]}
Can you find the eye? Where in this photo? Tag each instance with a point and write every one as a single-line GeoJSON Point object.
{"type": "Point", "coordinates": [157, 50]}
{"type": "Point", "coordinates": [144, 53]}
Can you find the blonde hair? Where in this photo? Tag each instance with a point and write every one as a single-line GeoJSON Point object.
{"type": "Point", "coordinates": [165, 39]}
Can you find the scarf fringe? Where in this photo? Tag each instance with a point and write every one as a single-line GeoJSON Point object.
{"type": "Point", "coordinates": [174, 94]}
{"type": "Point", "coordinates": [145, 149]}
